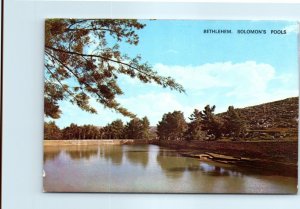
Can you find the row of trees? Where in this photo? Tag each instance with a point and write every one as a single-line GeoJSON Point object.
{"type": "Point", "coordinates": [203, 125]}
{"type": "Point", "coordinates": [134, 129]}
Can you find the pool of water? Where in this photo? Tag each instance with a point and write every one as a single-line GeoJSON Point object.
{"type": "Point", "coordinates": [150, 169]}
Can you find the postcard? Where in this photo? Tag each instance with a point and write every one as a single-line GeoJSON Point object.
{"type": "Point", "coordinates": [171, 106]}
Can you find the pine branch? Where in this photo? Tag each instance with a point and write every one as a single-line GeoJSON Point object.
{"type": "Point", "coordinates": [179, 87]}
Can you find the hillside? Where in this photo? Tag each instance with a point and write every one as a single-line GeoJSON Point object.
{"type": "Point", "coordinates": [278, 114]}
{"type": "Point", "coordinates": [278, 119]}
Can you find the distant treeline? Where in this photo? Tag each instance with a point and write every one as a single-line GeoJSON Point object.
{"type": "Point", "coordinates": [134, 129]}
{"type": "Point", "coordinates": [202, 125]}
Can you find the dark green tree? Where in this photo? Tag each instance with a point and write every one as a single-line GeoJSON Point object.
{"type": "Point", "coordinates": [172, 126]}
{"type": "Point", "coordinates": [83, 60]}
{"type": "Point", "coordinates": [234, 125]}
{"type": "Point", "coordinates": [194, 131]}
{"type": "Point", "coordinates": [116, 129]}
{"type": "Point", "coordinates": [89, 132]}
{"type": "Point", "coordinates": [52, 131]}
{"type": "Point", "coordinates": [81, 132]}
{"type": "Point", "coordinates": [146, 128]}
{"type": "Point", "coordinates": [211, 123]}
{"type": "Point", "coordinates": [134, 129]}
{"type": "Point", "coordinates": [106, 133]}
{"type": "Point", "coordinates": [71, 132]}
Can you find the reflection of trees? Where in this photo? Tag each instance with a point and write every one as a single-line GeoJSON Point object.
{"type": "Point", "coordinates": [174, 165]}
{"type": "Point", "coordinates": [51, 154]}
{"type": "Point", "coordinates": [140, 155]}
{"type": "Point", "coordinates": [113, 153]}
{"type": "Point", "coordinates": [211, 178]}
{"type": "Point", "coordinates": [232, 182]}
{"type": "Point", "coordinates": [82, 152]}
{"type": "Point", "coordinates": [214, 170]}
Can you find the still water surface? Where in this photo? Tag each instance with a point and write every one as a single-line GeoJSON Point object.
{"type": "Point", "coordinates": [149, 168]}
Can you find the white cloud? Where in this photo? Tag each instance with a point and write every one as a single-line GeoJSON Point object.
{"type": "Point", "coordinates": [223, 74]}
{"type": "Point", "coordinates": [239, 84]}
{"type": "Point", "coordinates": [241, 79]}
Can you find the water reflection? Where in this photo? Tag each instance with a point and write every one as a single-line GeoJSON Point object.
{"type": "Point", "coordinates": [82, 152]}
{"type": "Point", "coordinates": [174, 165]}
{"type": "Point", "coordinates": [50, 153]}
{"type": "Point", "coordinates": [215, 170]}
{"type": "Point", "coordinates": [112, 153]}
{"type": "Point", "coordinates": [138, 155]}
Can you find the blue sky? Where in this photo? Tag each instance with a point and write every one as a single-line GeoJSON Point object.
{"type": "Point", "coordinates": [216, 69]}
